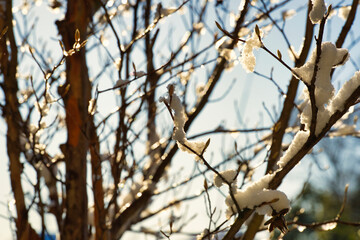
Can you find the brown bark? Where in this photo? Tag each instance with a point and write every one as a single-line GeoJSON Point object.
{"type": "Point", "coordinates": [76, 100]}
{"type": "Point", "coordinates": [8, 64]}
{"type": "Point", "coordinates": [97, 183]}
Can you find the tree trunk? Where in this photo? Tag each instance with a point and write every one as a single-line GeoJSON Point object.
{"type": "Point", "coordinates": [76, 95]}
{"type": "Point", "coordinates": [8, 65]}
{"type": "Point", "coordinates": [97, 184]}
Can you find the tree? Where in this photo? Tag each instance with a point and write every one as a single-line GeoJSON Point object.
{"type": "Point", "coordinates": [100, 173]}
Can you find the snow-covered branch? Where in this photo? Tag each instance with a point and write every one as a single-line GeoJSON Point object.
{"type": "Point", "coordinates": [177, 111]}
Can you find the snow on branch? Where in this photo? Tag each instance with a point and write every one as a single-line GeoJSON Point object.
{"type": "Point", "coordinates": [256, 196]}
{"type": "Point", "coordinates": [248, 59]}
{"type": "Point", "coordinates": [326, 103]}
{"type": "Point", "coordinates": [297, 143]}
{"type": "Point", "coordinates": [330, 58]}
{"type": "Point", "coordinates": [338, 102]}
{"type": "Point", "coordinates": [177, 111]}
{"type": "Point", "coordinates": [318, 11]}
{"type": "Point", "coordinates": [228, 175]}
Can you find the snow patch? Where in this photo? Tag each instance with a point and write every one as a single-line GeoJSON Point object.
{"type": "Point", "coordinates": [298, 142]}
{"type": "Point", "coordinates": [180, 118]}
{"type": "Point", "coordinates": [318, 10]}
{"type": "Point", "coordinates": [248, 59]}
{"type": "Point", "coordinates": [257, 196]}
{"type": "Point", "coordinates": [337, 103]}
{"type": "Point", "coordinates": [228, 175]}
{"type": "Point", "coordinates": [330, 58]}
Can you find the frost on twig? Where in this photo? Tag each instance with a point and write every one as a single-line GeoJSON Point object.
{"type": "Point", "coordinates": [177, 111]}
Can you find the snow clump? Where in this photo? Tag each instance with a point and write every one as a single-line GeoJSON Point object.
{"type": "Point", "coordinates": [318, 10]}
{"type": "Point", "coordinates": [229, 176]}
{"type": "Point", "coordinates": [248, 59]}
{"type": "Point", "coordinates": [174, 103]}
{"type": "Point", "coordinates": [256, 196]}
{"type": "Point", "coordinates": [330, 58]}
{"type": "Point", "coordinates": [297, 143]}
{"type": "Point", "coordinates": [344, 12]}
{"type": "Point", "coordinates": [337, 103]}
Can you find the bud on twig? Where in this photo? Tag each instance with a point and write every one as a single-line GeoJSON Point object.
{"type": "Point", "coordinates": [3, 32]}
{"type": "Point", "coordinates": [77, 35]}
{"type": "Point", "coordinates": [257, 31]}
{"type": "Point", "coordinates": [206, 187]}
